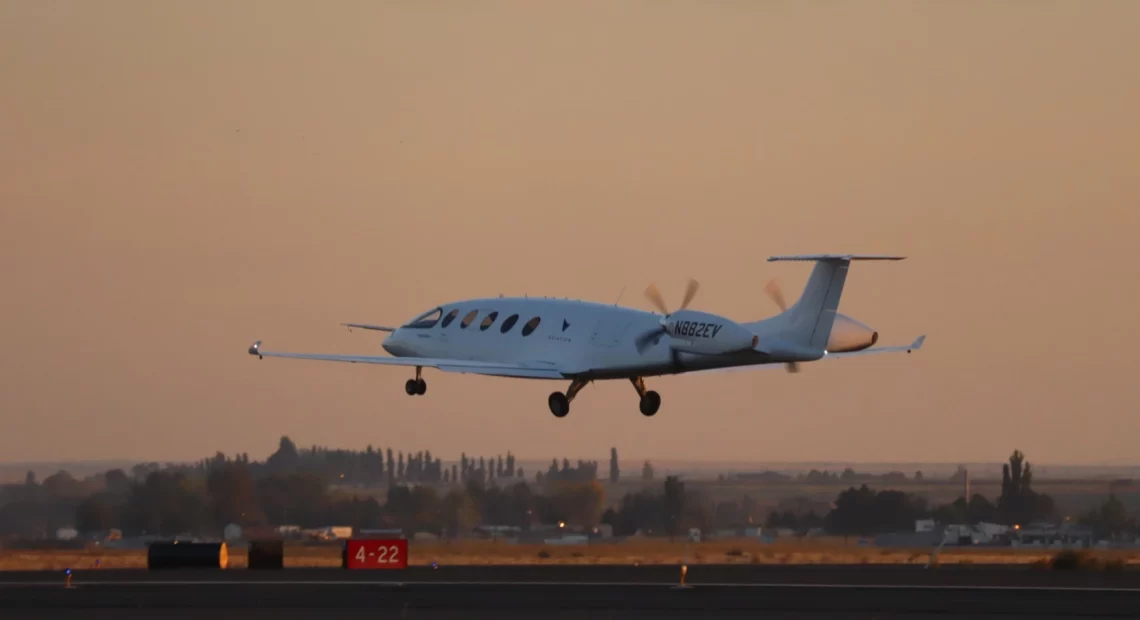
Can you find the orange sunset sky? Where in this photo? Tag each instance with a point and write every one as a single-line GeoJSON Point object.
{"type": "Point", "coordinates": [179, 179]}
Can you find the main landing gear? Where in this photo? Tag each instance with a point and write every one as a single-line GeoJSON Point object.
{"type": "Point", "coordinates": [417, 386]}
{"type": "Point", "coordinates": [560, 403]}
{"type": "Point", "coordinates": [650, 400]}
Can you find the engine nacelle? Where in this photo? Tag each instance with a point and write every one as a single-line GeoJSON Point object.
{"type": "Point", "coordinates": [847, 335]}
{"type": "Point", "coordinates": [710, 334]}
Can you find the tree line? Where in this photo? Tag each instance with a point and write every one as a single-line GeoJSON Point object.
{"type": "Point", "coordinates": [303, 487]}
{"type": "Point", "coordinates": [373, 466]}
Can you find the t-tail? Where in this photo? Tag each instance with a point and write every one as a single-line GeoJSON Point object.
{"type": "Point", "coordinates": [808, 322]}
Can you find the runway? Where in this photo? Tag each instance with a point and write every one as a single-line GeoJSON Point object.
{"type": "Point", "coordinates": [579, 592]}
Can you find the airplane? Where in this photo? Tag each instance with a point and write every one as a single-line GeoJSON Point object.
{"type": "Point", "coordinates": [583, 341]}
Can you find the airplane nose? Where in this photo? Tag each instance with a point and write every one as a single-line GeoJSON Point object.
{"type": "Point", "coordinates": [390, 343]}
{"type": "Point", "coordinates": [397, 345]}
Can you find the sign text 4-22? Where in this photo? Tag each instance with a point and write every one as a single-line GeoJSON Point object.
{"type": "Point", "coordinates": [377, 553]}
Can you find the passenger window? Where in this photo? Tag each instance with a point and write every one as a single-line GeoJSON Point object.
{"type": "Point", "coordinates": [509, 323]}
{"type": "Point", "coordinates": [530, 326]}
{"type": "Point", "coordinates": [488, 320]}
{"type": "Point", "coordinates": [467, 319]}
{"type": "Point", "coordinates": [449, 318]}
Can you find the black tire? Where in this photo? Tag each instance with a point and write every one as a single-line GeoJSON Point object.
{"type": "Point", "coordinates": [421, 387]}
{"type": "Point", "coordinates": [650, 403]}
{"type": "Point", "coordinates": [559, 404]}
{"type": "Point", "coordinates": [411, 387]}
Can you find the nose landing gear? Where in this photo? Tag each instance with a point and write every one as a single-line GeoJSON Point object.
{"type": "Point", "coordinates": [417, 386]}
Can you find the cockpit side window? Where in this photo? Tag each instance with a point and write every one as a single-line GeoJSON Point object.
{"type": "Point", "coordinates": [450, 317]}
{"type": "Point", "coordinates": [426, 320]}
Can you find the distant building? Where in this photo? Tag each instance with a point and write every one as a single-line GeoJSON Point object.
{"type": "Point", "coordinates": [494, 532]}
{"type": "Point", "coordinates": [977, 534]}
{"type": "Point", "coordinates": [289, 530]}
{"type": "Point", "coordinates": [329, 532]}
{"type": "Point", "coordinates": [1050, 535]}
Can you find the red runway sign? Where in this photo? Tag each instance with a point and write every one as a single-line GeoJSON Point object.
{"type": "Point", "coordinates": [376, 553]}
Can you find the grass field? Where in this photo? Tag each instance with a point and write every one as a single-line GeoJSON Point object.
{"type": "Point", "coordinates": [629, 552]}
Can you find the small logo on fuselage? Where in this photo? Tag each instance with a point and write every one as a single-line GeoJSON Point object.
{"type": "Point", "coordinates": [694, 329]}
{"type": "Point", "coordinates": [565, 324]}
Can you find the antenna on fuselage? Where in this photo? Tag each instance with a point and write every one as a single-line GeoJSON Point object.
{"type": "Point", "coordinates": [619, 295]}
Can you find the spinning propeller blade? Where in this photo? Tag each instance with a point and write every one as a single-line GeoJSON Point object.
{"type": "Point", "coordinates": [777, 295]}
{"type": "Point", "coordinates": [643, 341]}
{"type": "Point", "coordinates": [654, 295]}
{"type": "Point", "coordinates": [690, 293]}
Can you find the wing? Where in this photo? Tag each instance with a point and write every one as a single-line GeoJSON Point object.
{"type": "Point", "coordinates": [914, 346]}
{"type": "Point", "coordinates": [535, 371]}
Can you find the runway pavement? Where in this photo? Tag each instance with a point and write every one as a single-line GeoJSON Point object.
{"type": "Point", "coordinates": [580, 591]}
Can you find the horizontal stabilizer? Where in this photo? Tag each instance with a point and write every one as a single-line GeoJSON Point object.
{"type": "Point", "coordinates": [914, 346]}
{"type": "Point", "coordinates": [847, 257]}
{"type": "Point", "coordinates": [904, 348]}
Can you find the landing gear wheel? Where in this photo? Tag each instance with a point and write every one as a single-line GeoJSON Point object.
{"type": "Point", "coordinates": [421, 387]}
{"type": "Point", "coordinates": [412, 387]}
{"type": "Point", "coordinates": [559, 404]}
{"type": "Point", "coordinates": [650, 403]}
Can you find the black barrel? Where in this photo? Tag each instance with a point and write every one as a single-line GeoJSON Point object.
{"type": "Point", "coordinates": [162, 555]}
{"type": "Point", "coordinates": [267, 554]}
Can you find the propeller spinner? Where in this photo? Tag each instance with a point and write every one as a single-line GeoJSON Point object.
{"type": "Point", "coordinates": [654, 295]}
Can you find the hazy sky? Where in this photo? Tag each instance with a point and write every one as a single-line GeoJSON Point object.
{"type": "Point", "coordinates": [179, 179]}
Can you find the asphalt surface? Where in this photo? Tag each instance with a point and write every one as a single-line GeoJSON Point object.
{"type": "Point", "coordinates": [544, 592]}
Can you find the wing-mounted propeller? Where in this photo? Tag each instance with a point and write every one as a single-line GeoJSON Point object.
{"type": "Point", "coordinates": [777, 295]}
{"type": "Point", "coordinates": [652, 336]}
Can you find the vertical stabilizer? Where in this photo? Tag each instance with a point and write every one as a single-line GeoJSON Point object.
{"type": "Point", "coordinates": [810, 319]}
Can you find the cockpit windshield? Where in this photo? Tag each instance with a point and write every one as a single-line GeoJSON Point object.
{"type": "Point", "coordinates": [427, 319]}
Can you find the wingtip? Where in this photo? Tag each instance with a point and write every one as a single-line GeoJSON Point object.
{"type": "Point", "coordinates": [255, 348]}
{"type": "Point", "coordinates": [917, 344]}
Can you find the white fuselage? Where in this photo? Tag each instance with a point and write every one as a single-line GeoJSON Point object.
{"type": "Point", "coordinates": [577, 337]}
{"type": "Point", "coordinates": [559, 339]}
